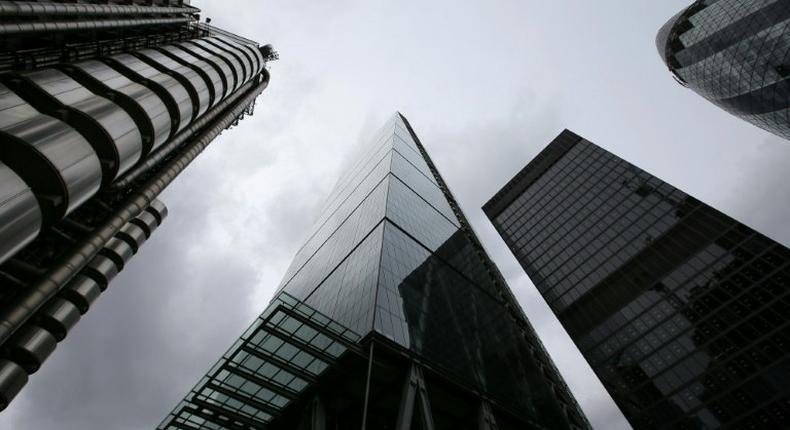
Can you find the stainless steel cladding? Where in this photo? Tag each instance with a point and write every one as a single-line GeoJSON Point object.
{"type": "Point", "coordinates": [36, 9]}
{"type": "Point", "coordinates": [159, 210]}
{"type": "Point", "coordinates": [118, 251]}
{"type": "Point", "coordinates": [147, 222]}
{"type": "Point", "coordinates": [245, 62]}
{"type": "Point", "coordinates": [58, 317]}
{"type": "Point", "coordinates": [74, 129]}
{"type": "Point", "coordinates": [108, 127]}
{"type": "Point", "coordinates": [12, 379]}
{"type": "Point", "coordinates": [233, 61]}
{"type": "Point", "coordinates": [82, 291]}
{"type": "Point", "coordinates": [20, 216]}
{"type": "Point", "coordinates": [225, 70]}
{"type": "Point", "coordinates": [18, 28]}
{"type": "Point", "coordinates": [147, 108]}
{"type": "Point", "coordinates": [252, 53]}
{"type": "Point", "coordinates": [133, 235]}
{"type": "Point", "coordinates": [172, 92]}
{"type": "Point", "coordinates": [102, 269]}
{"type": "Point", "coordinates": [30, 347]}
{"type": "Point", "coordinates": [209, 73]}
{"type": "Point", "coordinates": [194, 84]}
{"type": "Point", "coordinates": [54, 159]}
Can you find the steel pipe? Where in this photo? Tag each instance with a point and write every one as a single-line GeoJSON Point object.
{"type": "Point", "coordinates": [147, 221]}
{"type": "Point", "coordinates": [12, 378]}
{"type": "Point", "coordinates": [159, 210]}
{"type": "Point", "coordinates": [118, 251]}
{"type": "Point", "coordinates": [30, 348]}
{"type": "Point", "coordinates": [23, 8]}
{"type": "Point", "coordinates": [157, 157]}
{"type": "Point", "coordinates": [58, 317]}
{"type": "Point", "coordinates": [133, 235]}
{"type": "Point", "coordinates": [25, 305]}
{"type": "Point", "coordinates": [82, 291]}
{"type": "Point", "coordinates": [82, 26]}
{"type": "Point", "coordinates": [103, 270]}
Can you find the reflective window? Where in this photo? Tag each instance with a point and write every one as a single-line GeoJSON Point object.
{"type": "Point", "coordinates": [679, 309]}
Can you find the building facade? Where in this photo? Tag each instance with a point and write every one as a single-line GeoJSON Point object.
{"type": "Point", "coordinates": [391, 316]}
{"type": "Point", "coordinates": [101, 107]}
{"type": "Point", "coordinates": [736, 54]}
{"type": "Point", "coordinates": [682, 311]}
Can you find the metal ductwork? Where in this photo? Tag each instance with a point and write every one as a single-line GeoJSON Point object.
{"type": "Point", "coordinates": [27, 350]}
{"type": "Point", "coordinates": [37, 9]}
{"type": "Point", "coordinates": [18, 28]}
{"type": "Point", "coordinates": [82, 292]}
{"type": "Point", "coordinates": [12, 379]}
{"type": "Point", "coordinates": [20, 214]}
{"type": "Point", "coordinates": [89, 144]}
{"type": "Point", "coordinates": [30, 347]}
{"type": "Point", "coordinates": [58, 317]}
{"type": "Point", "coordinates": [72, 131]}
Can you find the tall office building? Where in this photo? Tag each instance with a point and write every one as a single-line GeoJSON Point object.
{"type": "Point", "coordinates": [682, 311]}
{"type": "Point", "coordinates": [102, 105]}
{"type": "Point", "coordinates": [735, 53]}
{"type": "Point", "coordinates": [391, 316]}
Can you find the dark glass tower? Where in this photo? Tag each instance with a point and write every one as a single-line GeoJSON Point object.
{"type": "Point", "coordinates": [391, 316]}
{"type": "Point", "coordinates": [735, 53]}
{"type": "Point", "coordinates": [101, 107]}
{"type": "Point", "coordinates": [682, 311]}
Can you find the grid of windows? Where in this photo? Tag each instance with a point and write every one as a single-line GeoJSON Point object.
{"type": "Point", "coordinates": [683, 312]}
{"type": "Point", "coordinates": [390, 254]}
{"type": "Point", "coordinates": [735, 53]}
{"type": "Point", "coordinates": [282, 353]}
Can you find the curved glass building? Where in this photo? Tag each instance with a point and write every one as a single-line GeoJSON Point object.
{"type": "Point", "coordinates": [735, 53]}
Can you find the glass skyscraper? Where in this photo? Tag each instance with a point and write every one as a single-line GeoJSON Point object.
{"type": "Point", "coordinates": [682, 311]}
{"type": "Point", "coordinates": [391, 316]}
{"type": "Point", "coordinates": [102, 105]}
{"type": "Point", "coordinates": [735, 53]}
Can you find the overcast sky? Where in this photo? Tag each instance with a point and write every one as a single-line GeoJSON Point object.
{"type": "Point", "coordinates": [486, 85]}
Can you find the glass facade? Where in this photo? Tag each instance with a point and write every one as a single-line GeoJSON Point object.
{"type": "Point", "coordinates": [682, 312]}
{"type": "Point", "coordinates": [392, 260]}
{"type": "Point", "coordinates": [735, 53]}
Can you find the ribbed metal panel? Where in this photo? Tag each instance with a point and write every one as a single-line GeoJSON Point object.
{"type": "Point", "coordinates": [222, 67]}
{"type": "Point", "coordinates": [236, 52]}
{"type": "Point", "coordinates": [251, 53]}
{"type": "Point", "coordinates": [23, 8]}
{"type": "Point", "coordinates": [147, 222]}
{"type": "Point", "coordinates": [169, 89]}
{"type": "Point", "coordinates": [209, 74]}
{"type": "Point", "coordinates": [159, 210]}
{"type": "Point", "coordinates": [133, 235]}
{"type": "Point", "coordinates": [19, 28]}
{"type": "Point", "coordinates": [194, 84]}
{"type": "Point", "coordinates": [30, 347]}
{"type": "Point", "coordinates": [103, 270]}
{"type": "Point", "coordinates": [12, 379]}
{"type": "Point", "coordinates": [233, 59]}
{"type": "Point", "coordinates": [82, 291]}
{"type": "Point", "coordinates": [200, 47]}
{"type": "Point", "coordinates": [111, 130]}
{"type": "Point", "coordinates": [118, 251]}
{"type": "Point", "coordinates": [150, 110]}
{"type": "Point", "coordinates": [20, 215]}
{"type": "Point", "coordinates": [53, 158]}
{"type": "Point", "coordinates": [58, 317]}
